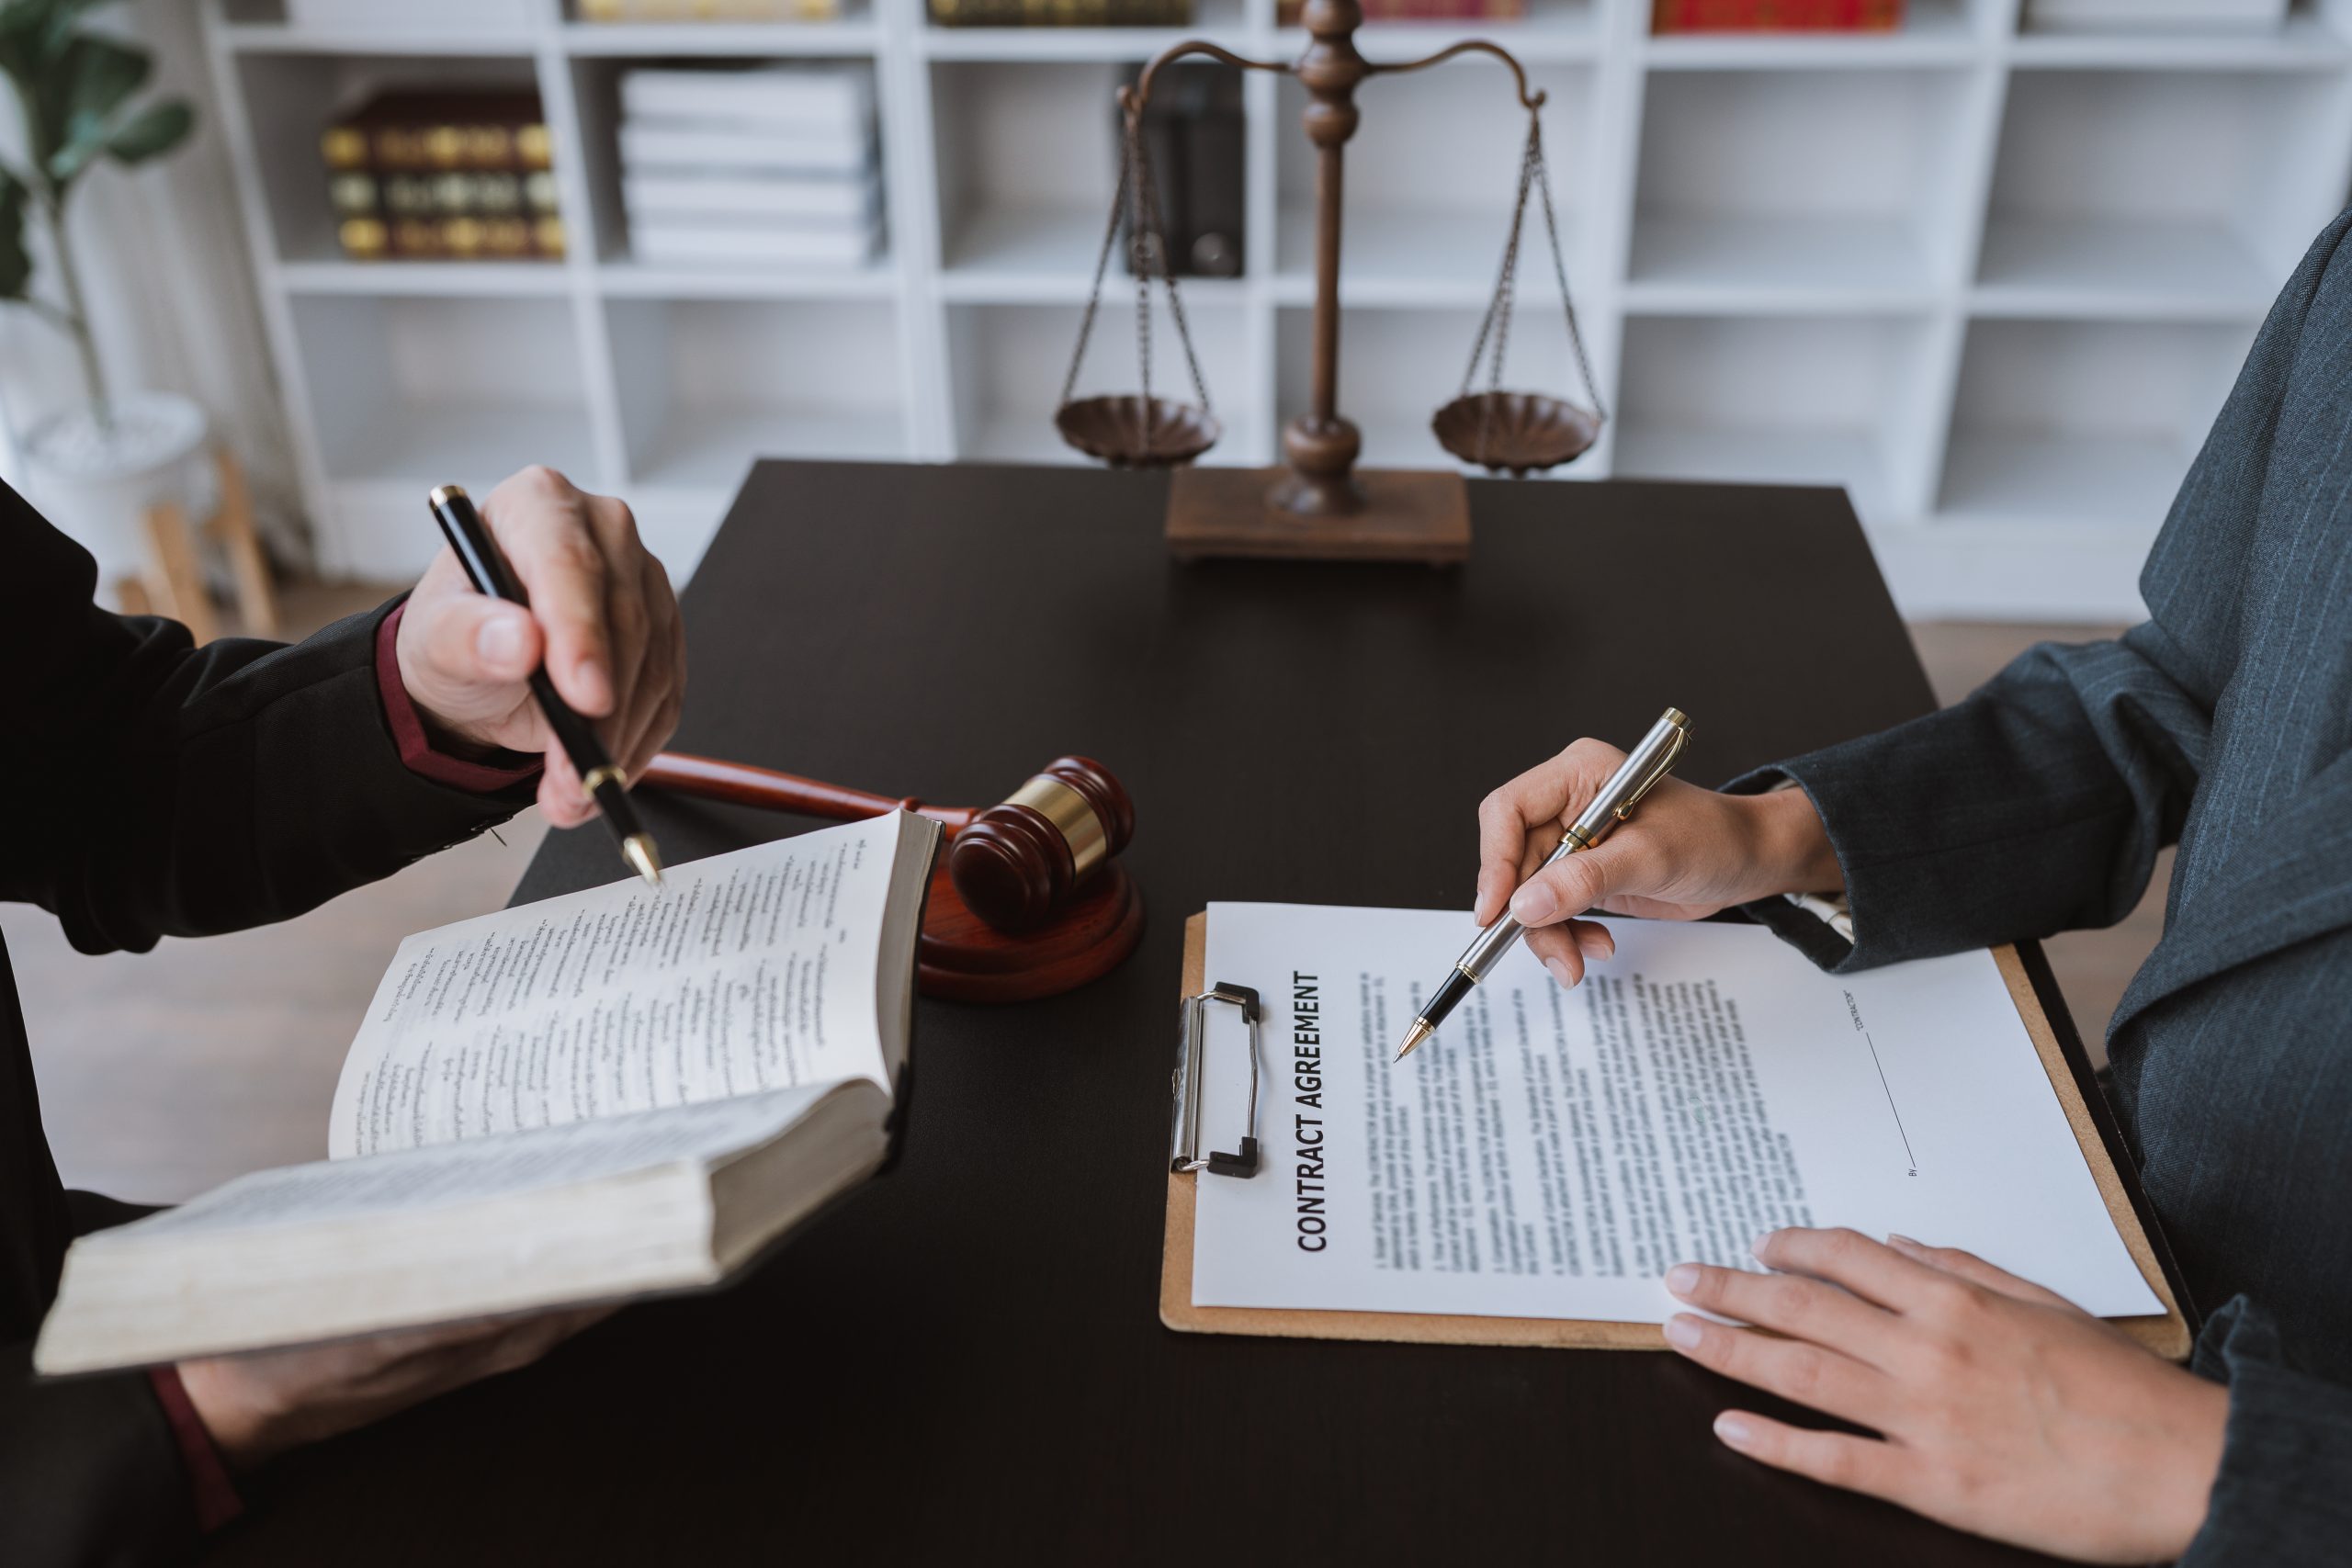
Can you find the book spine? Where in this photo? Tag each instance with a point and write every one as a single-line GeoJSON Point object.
{"type": "Point", "coordinates": [448, 190]}
{"type": "Point", "coordinates": [1775, 16]}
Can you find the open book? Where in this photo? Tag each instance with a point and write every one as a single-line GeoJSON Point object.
{"type": "Point", "coordinates": [620, 1092]}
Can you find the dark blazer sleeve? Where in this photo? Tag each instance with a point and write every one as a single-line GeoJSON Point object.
{"type": "Point", "coordinates": [160, 789]}
{"type": "Point", "coordinates": [2035, 806]}
{"type": "Point", "coordinates": [2280, 1497]}
{"type": "Point", "coordinates": [152, 788]}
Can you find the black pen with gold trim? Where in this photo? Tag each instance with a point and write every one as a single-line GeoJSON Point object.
{"type": "Point", "coordinates": [486, 567]}
{"type": "Point", "coordinates": [1649, 762]}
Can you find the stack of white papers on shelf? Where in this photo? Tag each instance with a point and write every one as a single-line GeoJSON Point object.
{"type": "Point", "coordinates": [769, 166]}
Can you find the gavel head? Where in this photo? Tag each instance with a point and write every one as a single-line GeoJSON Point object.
{"type": "Point", "coordinates": [1016, 863]}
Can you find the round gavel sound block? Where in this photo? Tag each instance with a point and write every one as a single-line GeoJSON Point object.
{"type": "Point", "coordinates": [1017, 864]}
{"type": "Point", "coordinates": [963, 958]}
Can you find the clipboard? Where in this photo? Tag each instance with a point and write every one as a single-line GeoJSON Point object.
{"type": "Point", "coordinates": [2169, 1336]}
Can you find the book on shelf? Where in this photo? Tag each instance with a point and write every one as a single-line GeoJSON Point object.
{"type": "Point", "coordinates": [790, 98]}
{"type": "Point", "coordinates": [417, 174]}
{"type": "Point", "coordinates": [708, 10]}
{"type": "Point", "coordinates": [645, 144]}
{"type": "Point", "coordinates": [1775, 16]}
{"type": "Point", "coordinates": [670, 242]}
{"type": "Point", "coordinates": [1061, 13]}
{"type": "Point", "coordinates": [766, 165]}
{"type": "Point", "coordinates": [1193, 137]}
{"type": "Point", "coordinates": [693, 193]}
{"type": "Point", "coordinates": [621, 1093]}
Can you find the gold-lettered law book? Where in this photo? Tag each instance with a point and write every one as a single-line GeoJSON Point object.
{"type": "Point", "coordinates": [1527, 1177]}
{"type": "Point", "coordinates": [623, 1092]}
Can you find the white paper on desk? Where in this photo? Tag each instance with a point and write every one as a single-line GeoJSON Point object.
{"type": "Point", "coordinates": [1551, 1153]}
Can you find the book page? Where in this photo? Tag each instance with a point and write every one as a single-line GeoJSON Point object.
{"type": "Point", "coordinates": [747, 971]}
{"type": "Point", "coordinates": [1551, 1153]}
{"type": "Point", "coordinates": [478, 1168]}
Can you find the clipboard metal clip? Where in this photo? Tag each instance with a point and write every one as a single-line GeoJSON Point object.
{"type": "Point", "coordinates": [1185, 1136]}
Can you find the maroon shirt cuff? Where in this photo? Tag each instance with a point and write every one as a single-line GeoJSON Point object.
{"type": "Point", "coordinates": [416, 748]}
{"type": "Point", "coordinates": [207, 1475]}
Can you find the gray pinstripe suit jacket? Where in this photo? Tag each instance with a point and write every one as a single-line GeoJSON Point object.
{"type": "Point", "coordinates": [2039, 804]}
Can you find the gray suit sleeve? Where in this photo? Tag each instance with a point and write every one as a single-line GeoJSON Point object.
{"type": "Point", "coordinates": [2035, 806]}
{"type": "Point", "coordinates": [2284, 1494]}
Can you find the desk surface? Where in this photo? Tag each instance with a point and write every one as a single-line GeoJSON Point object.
{"type": "Point", "coordinates": [965, 1361]}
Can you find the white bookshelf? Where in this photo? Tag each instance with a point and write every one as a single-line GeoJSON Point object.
{"type": "Point", "coordinates": [1992, 279]}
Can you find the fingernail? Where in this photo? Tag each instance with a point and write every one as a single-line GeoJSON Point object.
{"type": "Point", "coordinates": [499, 643]}
{"type": "Point", "coordinates": [1682, 1279]}
{"type": "Point", "coordinates": [592, 676]}
{"type": "Point", "coordinates": [1895, 1240]}
{"type": "Point", "coordinates": [1733, 1430]}
{"type": "Point", "coordinates": [1682, 1331]}
{"type": "Point", "coordinates": [1559, 968]}
{"type": "Point", "coordinates": [1756, 1248]}
{"type": "Point", "coordinates": [1597, 946]}
{"type": "Point", "coordinates": [1532, 903]}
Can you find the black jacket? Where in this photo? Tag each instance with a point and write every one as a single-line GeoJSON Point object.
{"type": "Point", "coordinates": [2224, 723]}
{"type": "Point", "coordinates": [154, 789]}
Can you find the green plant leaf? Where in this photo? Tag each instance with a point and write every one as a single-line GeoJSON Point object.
{"type": "Point", "coordinates": [153, 131]}
{"type": "Point", "coordinates": [15, 261]}
{"type": "Point", "coordinates": [89, 84]}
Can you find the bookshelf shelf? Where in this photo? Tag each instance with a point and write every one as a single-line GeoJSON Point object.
{"type": "Point", "coordinates": [1993, 278]}
{"type": "Point", "coordinates": [711, 450]}
{"type": "Point", "coordinates": [457, 279]}
{"type": "Point", "coordinates": [1740, 260]}
{"type": "Point", "coordinates": [626, 279]}
{"type": "Point", "coordinates": [2096, 422]}
{"type": "Point", "coordinates": [1802, 401]}
{"type": "Point", "coordinates": [278, 37]}
{"type": "Point", "coordinates": [2119, 267]}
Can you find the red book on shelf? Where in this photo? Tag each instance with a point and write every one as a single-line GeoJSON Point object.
{"type": "Point", "coordinates": [1775, 16]}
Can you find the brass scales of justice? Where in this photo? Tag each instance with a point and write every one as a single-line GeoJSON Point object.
{"type": "Point", "coordinates": [1320, 505]}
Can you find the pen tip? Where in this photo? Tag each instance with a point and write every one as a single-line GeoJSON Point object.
{"type": "Point", "coordinates": [638, 848]}
{"type": "Point", "coordinates": [1413, 1038]}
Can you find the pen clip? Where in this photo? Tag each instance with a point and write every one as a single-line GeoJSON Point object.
{"type": "Point", "coordinates": [1659, 769]}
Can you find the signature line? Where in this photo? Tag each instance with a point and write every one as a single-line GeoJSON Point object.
{"type": "Point", "coordinates": [1890, 1102]}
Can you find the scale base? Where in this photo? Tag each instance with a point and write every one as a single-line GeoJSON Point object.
{"type": "Point", "coordinates": [1418, 515]}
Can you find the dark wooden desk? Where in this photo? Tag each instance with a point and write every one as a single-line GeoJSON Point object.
{"type": "Point", "coordinates": [965, 1362]}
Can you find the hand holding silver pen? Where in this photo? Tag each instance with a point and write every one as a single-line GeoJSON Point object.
{"type": "Point", "coordinates": [1648, 762]}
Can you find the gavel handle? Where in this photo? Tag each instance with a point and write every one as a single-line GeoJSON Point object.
{"type": "Point", "coordinates": [745, 785]}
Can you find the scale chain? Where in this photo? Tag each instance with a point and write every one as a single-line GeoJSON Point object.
{"type": "Point", "coordinates": [1094, 294]}
{"type": "Point", "coordinates": [1141, 242]}
{"type": "Point", "coordinates": [1149, 190]}
{"type": "Point", "coordinates": [1497, 320]}
{"type": "Point", "coordinates": [1138, 199]}
{"type": "Point", "coordinates": [1560, 271]}
{"type": "Point", "coordinates": [1534, 171]}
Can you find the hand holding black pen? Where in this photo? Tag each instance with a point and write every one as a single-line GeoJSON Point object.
{"type": "Point", "coordinates": [476, 550]}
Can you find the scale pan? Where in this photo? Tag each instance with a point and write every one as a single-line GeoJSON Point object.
{"type": "Point", "coordinates": [1520, 430]}
{"type": "Point", "coordinates": [1111, 428]}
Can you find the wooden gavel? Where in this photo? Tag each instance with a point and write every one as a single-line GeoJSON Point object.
{"type": "Point", "coordinates": [1015, 864]}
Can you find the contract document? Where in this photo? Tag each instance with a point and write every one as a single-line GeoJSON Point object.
{"type": "Point", "coordinates": [1551, 1153]}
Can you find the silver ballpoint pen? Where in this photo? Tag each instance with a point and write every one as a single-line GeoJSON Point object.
{"type": "Point", "coordinates": [1644, 766]}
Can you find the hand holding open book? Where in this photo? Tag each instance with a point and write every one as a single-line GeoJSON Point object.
{"type": "Point", "coordinates": [618, 1093]}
